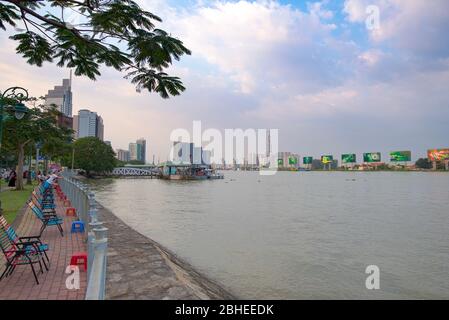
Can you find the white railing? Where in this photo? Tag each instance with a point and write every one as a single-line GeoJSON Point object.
{"type": "Point", "coordinates": [83, 200]}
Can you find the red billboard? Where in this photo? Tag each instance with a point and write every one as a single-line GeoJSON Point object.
{"type": "Point", "coordinates": [438, 154]}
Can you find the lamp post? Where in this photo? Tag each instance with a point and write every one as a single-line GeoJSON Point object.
{"type": "Point", "coordinates": [11, 103]}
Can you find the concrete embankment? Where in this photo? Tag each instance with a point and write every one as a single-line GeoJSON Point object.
{"type": "Point", "coordinates": [140, 268]}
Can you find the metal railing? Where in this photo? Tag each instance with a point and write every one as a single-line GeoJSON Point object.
{"type": "Point", "coordinates": [83, 200]}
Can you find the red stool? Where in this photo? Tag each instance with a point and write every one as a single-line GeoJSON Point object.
{"type": "Point", "coordinates": [70, 212]}
{"type": "Point", "coordinates": [76, 257]}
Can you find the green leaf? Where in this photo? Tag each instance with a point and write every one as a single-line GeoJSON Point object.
{"type": "Point", "coordinates": [33, 47]}
{"type": "Point", "coordinates": [158, 82]}
{"type": "Point", "coordinates": [8, 14]}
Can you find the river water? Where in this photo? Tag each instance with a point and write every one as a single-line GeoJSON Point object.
{"type": "Point", "coordinates": [299, 235]}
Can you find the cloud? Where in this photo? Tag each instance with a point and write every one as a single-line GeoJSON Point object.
{"type": "Point", "coordinates": [416, 27]}
{"type": "Point", "coordinates": [326, 82]}
{"type": "Point", "coordinates": [318, 9]}
{"type": "Point", "coordinates": [263, 45]}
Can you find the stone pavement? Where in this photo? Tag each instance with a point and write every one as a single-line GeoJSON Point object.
{"type": "Point", "coordinates": [21, 284]}
{"type": "Point", "coordinates": [139, 268]}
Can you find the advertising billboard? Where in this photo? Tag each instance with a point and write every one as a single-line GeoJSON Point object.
{"type": "Point", "coordinates": [400, 156]}
{"type": "Point", "coordinates": [307, 160]}
{"type": "Point", "coordinates": [348, 158]}
{"type": "Point", "coordinates": [371, 157]}
{"type": "Point", "coordinates": [292, 160]}
{"type": "Point", "coordinates": [280, 162]}
{"type": "Point", "coordinates": [438, 154]}
{"type": "Point", "coordinates": [327, 159]}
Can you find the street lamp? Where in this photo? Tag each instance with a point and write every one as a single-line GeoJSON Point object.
{"type": "Point", "coordinates": [11, 101]}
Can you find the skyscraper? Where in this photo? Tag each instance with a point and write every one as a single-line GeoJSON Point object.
{"type": "Point", "coordinates": [88, 124]}
{"type": "Point", "coordinates": [99, 128]}
{"type": "Point", "coordinates": [268, 144]}
{"type": "Point", "coordinates": [141, 149]}
{"type": "Point", "coordinates": [123, 155]}
{"type": "Point", "coordinates": [132, 151]}
{"type": "Point", "coordinates": [61, 96]}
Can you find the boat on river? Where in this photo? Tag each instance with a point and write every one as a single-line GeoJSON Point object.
{"type": "Point", "coordinates": [186, 171]}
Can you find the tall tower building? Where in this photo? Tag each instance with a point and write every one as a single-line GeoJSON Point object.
{"type": "Point", "coordinates": [132, 151]}
{"type": "Point", "coordinates": [61, 96]}
{"type": "Point", "coordinates": [89, 124]}
{"type": "Point", "coordinates": [123, 155]}
{"type": "Point", "coordinates": [141, 149]}
{"type": "Point", "coordinates": [268, 147]}
{"type": "Point", "coordinates": [99, 128]}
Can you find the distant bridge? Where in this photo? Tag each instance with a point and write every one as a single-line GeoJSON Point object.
{"type": "Point", "coordinates": [135, 172]}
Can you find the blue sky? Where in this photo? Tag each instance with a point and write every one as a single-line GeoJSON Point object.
{"type": "Point", "coordinates": [309, 68]}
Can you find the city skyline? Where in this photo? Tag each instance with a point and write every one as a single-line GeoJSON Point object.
{"type": "Point", "coordinates": [328, 84]}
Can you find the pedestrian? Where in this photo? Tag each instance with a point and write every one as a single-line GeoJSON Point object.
{"type": "Point", "coordinates": [12, 179]}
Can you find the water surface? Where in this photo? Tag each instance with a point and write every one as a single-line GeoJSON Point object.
{"type": "Point", "coordinates": [307, 235]}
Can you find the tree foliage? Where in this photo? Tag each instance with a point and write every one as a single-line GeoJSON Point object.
{"type": "Point", "coordinates": [115, 33]}
{"type": "Point", "coordinates": [93, 155]}
{"type": "Point", "coordinates": [423, 163]}
{"type": "Point", "coordinates": [38, 125]}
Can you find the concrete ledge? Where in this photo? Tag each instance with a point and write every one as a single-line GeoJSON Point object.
{"type": "Point", "coordinates": [140, 268]}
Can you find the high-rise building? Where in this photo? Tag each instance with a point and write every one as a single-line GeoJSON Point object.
{"type": "Point", "coordinates": [268, 144]}
{"type": "Point", "coordinates": [75, 126]}
{"type": "Point", "coordinates": [180, 152]}
{"type": "Point", "coordinates": [61, 96]}
{"type": "Point", "coordinates": [141, 149]}
{"type": "Point", "coordinates": [132, 151]}
{"type": "Point", "coordinates": [88, 124]}
{"type": "Point", "coordinates": [123, 155]}
{"type": "Point", "coordinates": [99, 128]}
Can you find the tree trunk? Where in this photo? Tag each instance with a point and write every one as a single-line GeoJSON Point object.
{"type": "Point", "coordinates": [29, 182]}
{"type": "Point", "coordinates": [20, 159]}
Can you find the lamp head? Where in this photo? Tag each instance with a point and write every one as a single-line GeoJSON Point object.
{"type": "Point", "coordinates": [20, 110]}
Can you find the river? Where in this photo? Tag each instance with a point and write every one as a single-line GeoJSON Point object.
{"type": "Point", "coordinates": [299, 235]}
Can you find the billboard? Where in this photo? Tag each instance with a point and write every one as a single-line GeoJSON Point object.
{"type": "Point", "coordinates": [292, 160]}
{"type": "Point", "coordinates": [371, 157]}
{"type": "Point", "coordinates": [400, 156]}
{"type": "Point", "coordinates": [348, 158]}
{"type": "Point", "coordinates": [327, 159]}
{"type": "Point", "coordinates": [280, 162]}
{"type": "Point", "coordinates": [438, 154]}
{"type": "Point", "coordinates": [307, 160]}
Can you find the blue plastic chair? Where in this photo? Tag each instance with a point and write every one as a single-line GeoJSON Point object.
{"type": "Point", "coordinates": [50, 219]}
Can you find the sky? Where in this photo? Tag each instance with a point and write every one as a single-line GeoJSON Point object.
{"type": "Point", "coordinates": [312, 69]}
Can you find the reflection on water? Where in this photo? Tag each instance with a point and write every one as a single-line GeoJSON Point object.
{"type": "Point", "coordinates": [299, 235]}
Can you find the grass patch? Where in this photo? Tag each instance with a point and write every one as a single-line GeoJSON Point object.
{"type": "Point", "coordinates": [13, 201]}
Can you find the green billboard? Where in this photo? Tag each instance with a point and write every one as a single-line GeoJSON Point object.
{"type": "Point", "coordinates": [307, 160]}
{"type": "Point", "coordinates": [327, 159]}
{"type": "Point", "coordinates": [400, 156]}
{"type": "Point", "coordinates": [371, 157]}
{"type": "Point", "coordinates": [348, 158]}
{"type": "Point", "coordinates": [292, 160]}
{"type": "Point", "coordinates": [280, 162]}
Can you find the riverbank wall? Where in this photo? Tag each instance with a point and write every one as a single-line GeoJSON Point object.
{"type": "Point", "coordinates": [140, 268]}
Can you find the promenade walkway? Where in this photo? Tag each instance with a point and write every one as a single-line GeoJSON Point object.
{"type": "Point", "coordinates": [21, 284]}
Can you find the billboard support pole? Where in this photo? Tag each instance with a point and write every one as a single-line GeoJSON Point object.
{"type": "Point", "coordinates": [434, 165]}
{"type": "Point", "coordinates": [446, 165]}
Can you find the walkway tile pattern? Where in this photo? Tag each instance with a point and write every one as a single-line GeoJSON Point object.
{"type": "Point", "coordinates": [21, 284]}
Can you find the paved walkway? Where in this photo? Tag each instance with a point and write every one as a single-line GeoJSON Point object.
{"type": "Point", "coordinates": [139, 268]}
{"type": "Point", "coordinates": [21, 284]}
